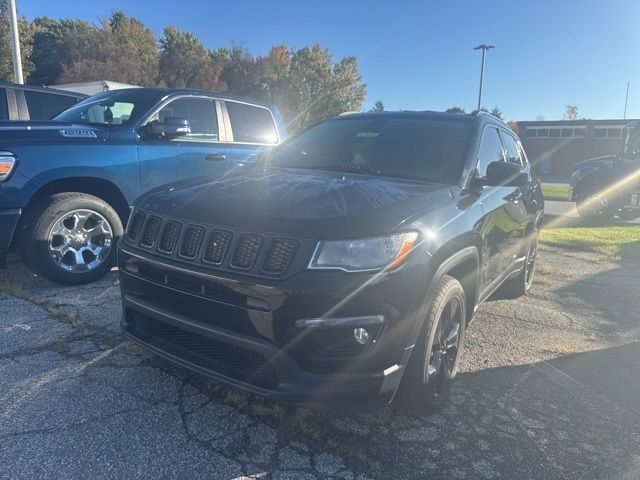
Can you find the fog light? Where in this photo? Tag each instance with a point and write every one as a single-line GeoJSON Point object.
{"type": "Point", "coordinates": [361, 335]}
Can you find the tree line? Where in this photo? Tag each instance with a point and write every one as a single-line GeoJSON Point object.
{"type": "Point", "coordinates": [306, 84]}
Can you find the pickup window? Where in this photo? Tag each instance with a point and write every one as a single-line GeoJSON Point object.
{"type": "Point", "coordinates": [251, 124]}
{"type": "Point", "coordinates": [201, 113]}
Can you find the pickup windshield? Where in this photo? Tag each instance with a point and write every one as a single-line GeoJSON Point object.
{"type": "Point", "coordinates": [424, 149]}
{"type": "Point", "coordinates": [118, 107]}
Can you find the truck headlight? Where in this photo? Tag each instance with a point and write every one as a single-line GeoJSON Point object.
{"type": "Point", "coordinates": [7, 163]}
{"type": "Point", "coordinates": [363, 254]}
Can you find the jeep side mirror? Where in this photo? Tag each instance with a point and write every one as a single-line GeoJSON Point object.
{"type": "Point", "coordinates": [506, 174]}
{"type": "Point", "coordinates": [172, 127]}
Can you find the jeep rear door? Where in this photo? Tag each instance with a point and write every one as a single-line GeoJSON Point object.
{"type": "Point", "coordinates": [201, 152]}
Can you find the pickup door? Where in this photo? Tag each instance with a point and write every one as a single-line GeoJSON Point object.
{"type": "Point", "coordinates": [201, 152]}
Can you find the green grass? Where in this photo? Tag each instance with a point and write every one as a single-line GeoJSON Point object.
{"type": "Point", "coordinates": [613, 238]}
{"type": "Point", "coordinates": [555, 191]}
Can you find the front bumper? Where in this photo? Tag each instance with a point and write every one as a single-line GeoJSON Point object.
{"type": "Point", "coordinates": [8, 222]}
{"type": "Point", "coordinates": [245, 334]}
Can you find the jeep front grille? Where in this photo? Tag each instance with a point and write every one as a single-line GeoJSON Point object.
{"type": "Point", "coordinates": [191, 242]}
{"type": "Point", "coordinates": [280, 255]}
{"type": "Point", "coordinates": [150, 232]}
{"type": "Point", "coordinates": [169, 237]}
{"type": "Point", "coordinates": [135, 226]}
{"type": "Point", "coordinates": [213, 247]}
{"type": "Point", "coordinates": [246, 251]}
{"type": "Point", "coordinates": [217, 246]}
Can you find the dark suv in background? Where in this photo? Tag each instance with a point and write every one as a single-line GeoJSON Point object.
{"type": "Point", "coordinates": [66, 186]}
{"type": "Point", "coordinates": [27, 102]}
{"type": "Point", "coordinates": [344, 266]}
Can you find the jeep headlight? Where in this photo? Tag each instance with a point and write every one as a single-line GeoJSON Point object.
{"type": "Point", "coordinates": [363, 254]}
{"type": "Point", "coordinates": [7, 163]}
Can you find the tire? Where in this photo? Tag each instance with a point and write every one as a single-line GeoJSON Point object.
{"type": "Point", "coordinates": [425, 387]}
{"type": "Point", "coordinates": [520, 286]}
{"type": "Point", "coordinates": [592, 205]}
{"type": "Point", "coordinates": [70, 238]}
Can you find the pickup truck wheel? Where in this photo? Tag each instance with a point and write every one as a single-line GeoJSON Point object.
{"type": "Point", "coordinates": [434, 362]}
{"type": "Point", "coordinates": [590, 203]}
{"type": "Point", "coordinates": [71, 238]}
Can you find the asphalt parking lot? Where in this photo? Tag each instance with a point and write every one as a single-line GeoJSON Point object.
{"type": "Point", "coordinates": [549, 388]}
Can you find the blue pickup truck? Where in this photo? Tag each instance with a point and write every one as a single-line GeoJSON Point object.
{"type": "Point", "coordinates": [66, 186]}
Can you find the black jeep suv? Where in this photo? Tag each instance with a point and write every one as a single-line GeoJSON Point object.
{"type": "Point", "coordinates": [344, 265]}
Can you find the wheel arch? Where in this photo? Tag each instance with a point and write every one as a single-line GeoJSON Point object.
{"type": "Point", "coordinates": [589, 179]}
{"type": "Point", "coordinates": [96, 186]}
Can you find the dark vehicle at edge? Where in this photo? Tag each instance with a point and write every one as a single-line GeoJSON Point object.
{"type": "Point", "coordinates": [606, 186]}
{"type": "Point", "coordinates": [343, 267]}
{"type": "Point", "coordinates": [29, 102]}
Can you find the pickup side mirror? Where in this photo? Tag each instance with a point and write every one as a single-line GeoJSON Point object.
{"type": "Point", "coordinates": [172, 127]}
{"type": "Point", "coordinates": [506, 174]}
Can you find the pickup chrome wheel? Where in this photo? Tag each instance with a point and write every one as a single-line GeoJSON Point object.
{"type": "Point", "coordinates": [434, 362]}
{"type": "Point", "coordinates": [70, 238]}
{"type": "Point", "coordinates": [80, 240]}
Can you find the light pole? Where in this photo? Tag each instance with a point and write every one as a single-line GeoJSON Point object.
{"type": "Point", "coordinates": [484, 49]}
{"type": "Point", "coordinates": [15, 43]}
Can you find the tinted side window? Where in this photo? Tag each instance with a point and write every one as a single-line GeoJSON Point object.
{"type": "Point", "coordinates": [251, 124]}
{"type": "Point", "coordinates": [490, 150]}
{"type": "Point", "coordinates": [45, 106]}
{"type": "Point", "coordinates": [513, 154]}
{"type": "Point", "coordinates": [4, 110]}
{"type": "Point", "coordinates": [201, 113]}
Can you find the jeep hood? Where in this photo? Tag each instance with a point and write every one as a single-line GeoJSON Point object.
{"type": "Point", "coordinates": [303, 203]}
{"type": "Point", "coordinates": [604, 161]}
{"type": "Point", "coordinates": [47, 132]}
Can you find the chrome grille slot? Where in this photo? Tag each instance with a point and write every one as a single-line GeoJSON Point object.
{"type": "Point", "coordinates": [246, 251]}
{"type": "Point", "coordinates": [135, 226]}
{"type": "Point", "coordinates": [193, 236]}
{"type": "Point", "coordinates": [150, 232]}
{"type": "Point", "coordinates": [217, 246]}
{"type": "Point", "coordinates": [169, 236]}
{"type": "Point", "coordinates": [280, 255]}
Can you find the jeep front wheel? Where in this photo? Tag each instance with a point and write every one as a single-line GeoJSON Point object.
{"type": "Point", "coordinates": [591, 203]}
{"type": "Point", "coordinates": [434, 361]}
{"type": "Point", "coordinates": [71, 238]}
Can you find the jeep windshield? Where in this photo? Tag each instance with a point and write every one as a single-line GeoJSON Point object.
{"type": "Point", "coordinates": [424, 149]}
{"type": "Point", "coordinates": [114, 108]}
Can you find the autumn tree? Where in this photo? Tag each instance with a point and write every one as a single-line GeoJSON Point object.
{"type": "Point", "coordinates": [378, 107]}
{"type": "Point", "coordinates": [571, 112]}
{"type": "Point", "coordinates": [184, 62]}
{"type": "Point", "coordinates": [514, 127]}
{"type": "Point", "coordinates": [496, 112]}
{"type": "Point", "coordinates": [25, 34]}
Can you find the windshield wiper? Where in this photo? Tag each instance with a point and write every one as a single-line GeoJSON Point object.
{"type": "Point", "coordinates": [344, 168]}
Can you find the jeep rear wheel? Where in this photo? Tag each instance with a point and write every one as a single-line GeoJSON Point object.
{"type": "Point", "coordinates": [71, 238]}
{"type": "Point", "coordinates": [426, 383]}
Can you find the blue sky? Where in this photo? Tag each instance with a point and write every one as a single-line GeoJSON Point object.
{"type": "Point", "coordinates": [419, 54]}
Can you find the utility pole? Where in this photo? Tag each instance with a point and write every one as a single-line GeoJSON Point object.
{"type": "Point", "coordinates": [484, 49]}
{"type": "Point", "coordinates": [15, 42]}
{"type": "Point", "coordinates": [626, 100]}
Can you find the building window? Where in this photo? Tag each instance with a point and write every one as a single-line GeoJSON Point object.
{"type": "Point", "coordinates": [599, 132]}
{"type": "Point", "coordinates": [554, 133]}
{"type": "Point", "coordinates": [580, 132]}
{"type": "Point", "coordinates": [543, 132]}
{"type": "Point", "coordinates": [614, 133]}
{"type": "Point", "coordinates": [531, 132]}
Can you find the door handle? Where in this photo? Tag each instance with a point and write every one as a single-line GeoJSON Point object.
{"type": "Point", "coordinates": [215, 157]}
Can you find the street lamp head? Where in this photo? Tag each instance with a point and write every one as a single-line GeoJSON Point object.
{"type": "Point", "coordinates": [484, 47]}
